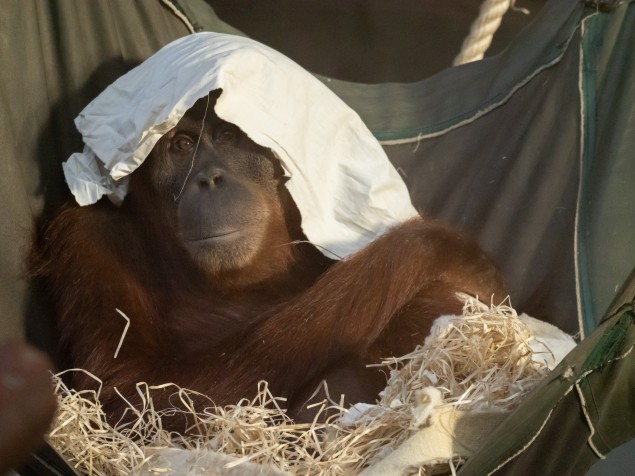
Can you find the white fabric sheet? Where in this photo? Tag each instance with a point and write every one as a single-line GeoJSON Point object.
{"type": "Point", "coordinates": [347, 191]}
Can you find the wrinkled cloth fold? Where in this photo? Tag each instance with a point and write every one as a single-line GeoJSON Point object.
{"type": "Point", "coordinates": [347, 191]}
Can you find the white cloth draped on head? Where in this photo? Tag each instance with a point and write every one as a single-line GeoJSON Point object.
{"type": "Point", "coordinates": [346, 189]}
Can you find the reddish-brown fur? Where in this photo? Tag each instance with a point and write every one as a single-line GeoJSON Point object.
{"type": "Point", "coordinates": [246, 305]}
{"type": "Point", "coordinates": [290, 332]}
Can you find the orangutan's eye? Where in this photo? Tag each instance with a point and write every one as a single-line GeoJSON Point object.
{"type": "Point", "coordinates": [182, 143]}
{"type": "Point", "coordinates": [226, 133]}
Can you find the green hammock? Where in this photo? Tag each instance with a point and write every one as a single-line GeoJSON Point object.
{"type": "Point", "coordinates": [531, 151]}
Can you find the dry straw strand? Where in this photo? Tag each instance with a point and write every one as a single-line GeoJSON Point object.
{"type": "Point", "coordinates": [479, 361]}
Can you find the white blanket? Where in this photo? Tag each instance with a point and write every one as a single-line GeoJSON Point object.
{"type": "Point", "coordinates": [346, 189]}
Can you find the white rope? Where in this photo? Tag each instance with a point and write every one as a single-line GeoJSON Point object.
{"type": "Point", "coordinates": [482, 30]}
{"type": "Point", "coordinates": [168, 4]}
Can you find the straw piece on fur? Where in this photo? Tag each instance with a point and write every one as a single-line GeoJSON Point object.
{"type": "Point", "coordinates": [479, 361]}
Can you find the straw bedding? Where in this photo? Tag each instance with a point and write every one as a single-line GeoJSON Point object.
{"type": "Point", "coordinates": [479, 365]}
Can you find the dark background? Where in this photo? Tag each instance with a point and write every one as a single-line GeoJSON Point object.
{"type": "Point", "coordinates": [368, 40]}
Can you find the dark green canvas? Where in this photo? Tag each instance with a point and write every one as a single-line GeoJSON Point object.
{"type": "Point", "coordinates": [532, 151]}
